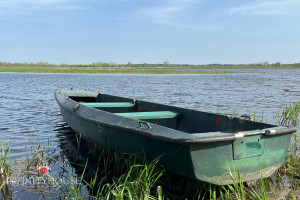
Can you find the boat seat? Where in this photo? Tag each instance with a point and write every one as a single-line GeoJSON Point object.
{"type": "Point", "coordinates": [109, 104]}
{"type": "Point", "coordinates": [150, 115]}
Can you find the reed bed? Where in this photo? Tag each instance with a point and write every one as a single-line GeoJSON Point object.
{"type": "Point", "coordinates": [165, 65]}
{"type": "Point", "coordinates": [124, 176]}
{"type": "Point", "coordinates": [117, 175]}
{"type": "Point", "coordinates": [104, 71]}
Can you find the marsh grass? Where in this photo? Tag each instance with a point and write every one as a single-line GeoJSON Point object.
{"type": "Point", "coordinates": [117, 175]}
{"type": "Point", "coordinates": [288, 114]}
{"type": "Point", "coordinates": [139, 182]}
{"type": "Point", "coordinates": [254, 117]}
{"type": "Point", "coordinates": [125, 176]}
{"type": "Point", "coordinates": [258, 118]}
{"type": "Point", "coordinates": [78, 141]}
{"type": "Point", "coordinates": [5, 165]}
{"type": "Point", "coordinates": [149, 181]}
{"type": "Point", "coordinates": [38, 158]}
{"type": "Point", "coordinates": [292, 164]}
{"type": "Point", "coordinates": [128, 176]}
{"type": "Point", "coordinates": [105, 71]}
{"type": "Point", "coordinates": [164, 65]}
{"type": "Point", "coordinates": [241, 191]}
{"type": "Point", "coordinates": [75, 188]}
{"type": "Point", "coordinates": [6, 170]}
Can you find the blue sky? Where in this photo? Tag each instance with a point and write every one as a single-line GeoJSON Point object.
{"type": "Point", "coordinates": [150, 31]}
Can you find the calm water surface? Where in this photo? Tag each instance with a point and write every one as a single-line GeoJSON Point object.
{"type": "Point", "coordinates": [28, 108]}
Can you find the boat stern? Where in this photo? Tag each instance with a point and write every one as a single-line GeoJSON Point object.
{"type": "Point", "coordinates": [244, 159]}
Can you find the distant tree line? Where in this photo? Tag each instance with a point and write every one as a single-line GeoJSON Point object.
{"type": "Point", "coordinates": [131, 65]}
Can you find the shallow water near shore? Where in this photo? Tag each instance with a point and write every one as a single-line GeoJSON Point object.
{"type": "Point", "coordinates": [28, 108]}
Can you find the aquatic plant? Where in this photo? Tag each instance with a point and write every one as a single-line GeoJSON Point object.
{"type": "Point", "coordinates": [39, 157]}
{"type": "Point", "coordinates": [6, 170]}
{"type": "Point", "coordinates": [139, 179]}
{"type": "Point", "coordinates": [78, 140]}
{"type": "Point", "coordinates": [75, 188]}
{"type": "Point", "coordinates": [288, 114]}
{"type": "Point", "coordinates": [134, 180]}
{"type": "Point", "coordinates": [5, 165]}
{"type": "Point", "coordinates": [137, 183]}
{"type": "Point", "coordinates": [292, 164]}
{"type": "Point", "coordinates": [257, 118]}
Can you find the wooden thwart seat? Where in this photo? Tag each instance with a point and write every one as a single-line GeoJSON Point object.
{"type": "Point", "coordinates": [109, 104]}
{"type": "Point", "coordinates": [150, 115]}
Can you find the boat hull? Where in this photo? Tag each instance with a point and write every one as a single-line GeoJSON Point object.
{"type": "Point", "coordinates": [216, 162]}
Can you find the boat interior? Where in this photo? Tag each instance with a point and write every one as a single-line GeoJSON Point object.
{"type": "Point", "coordinates": [186, 120]}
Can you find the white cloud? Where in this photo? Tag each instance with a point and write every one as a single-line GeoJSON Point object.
{"type": "Point", "coordinates": [175, 13]}
{"type": "Point", "coordinates": [276, 7]}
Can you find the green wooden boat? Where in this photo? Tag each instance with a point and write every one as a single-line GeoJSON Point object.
{"type": "Point", "coordinates": [194, 144]}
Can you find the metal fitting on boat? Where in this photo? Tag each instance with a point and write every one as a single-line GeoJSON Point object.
{"type": "Point", "coordinates": [239, 135]}
{"type": "Point", "coordinates": [270, 132]}
{"type": "Point", "coordinates": [76, 107]}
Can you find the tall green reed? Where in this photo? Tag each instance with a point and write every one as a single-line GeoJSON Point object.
{"type": "Point", "coordinates": [5, 165]}
{"type": "Point", "coordinates": [288, 114]}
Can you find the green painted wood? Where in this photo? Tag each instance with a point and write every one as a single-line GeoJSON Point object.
{"type": "Point", "coordinates": [108, 105]}
{"type": "Point", "coordinates": [248, 147]}
{"type": "Point", "coordinates": [150, 115]}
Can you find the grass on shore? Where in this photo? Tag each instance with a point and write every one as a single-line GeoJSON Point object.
{"type": "Point", "coordinates": [164, 65]}
{"type": "Point", "coordinates": [123, 176]}
{"type": "Point", "coordinates": [104, 71]}
{"type": "Point", "coordinates": [109, 68]}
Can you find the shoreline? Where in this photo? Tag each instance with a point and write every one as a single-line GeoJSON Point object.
{"type": "Point", "coordinates": [113, 68]}
{"type": "Point", "coordinates": [108, 71]}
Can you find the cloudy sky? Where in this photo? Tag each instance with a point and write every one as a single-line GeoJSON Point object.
{"type": "Point", "coordinates": [150, 31]}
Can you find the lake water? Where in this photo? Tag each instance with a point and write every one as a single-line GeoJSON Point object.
{"type": "Point", "coordinates": [28, 108]}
